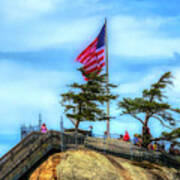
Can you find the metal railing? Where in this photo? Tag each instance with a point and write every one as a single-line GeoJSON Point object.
{"type": "Point", "coordinates": [35, 142]}
{"type": "Point", "coordinates": [36, 145]}
{"type": "Point", "coordinates": [130, 151]}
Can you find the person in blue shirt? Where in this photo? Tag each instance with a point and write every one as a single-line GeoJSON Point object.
{"type": "Point", "coordinates": [136, 140]}
{"type": "Point", "coordinates": [91, 128]}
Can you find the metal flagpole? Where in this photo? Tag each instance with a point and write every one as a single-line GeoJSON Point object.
{"type": "Point", "coordinates": [62, 131]}
{"type": "Point", "coordinates": [40, 121]}
{"type": "Point", "coordinates": [107, 78]}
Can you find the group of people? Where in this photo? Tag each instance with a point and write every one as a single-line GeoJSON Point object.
{"type": "Point", "coordinates": [156, 147]}
{"type": "Point", "coordinates": [137, 140]}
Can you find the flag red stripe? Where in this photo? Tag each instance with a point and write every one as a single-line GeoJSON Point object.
{"type": "Point", "coordinates": [92, 70]}
{"type": "Point", "coordinates": [103, 64]}
{"type": "Point", "coordinates": [95, 68]}
{"type": "Point", "coordinates": [90, 67]}
{"type": "Point", "coordinates": [87, 56]}
{"type": "Point", "coordinates": [93, 54]}
{"type": "Point", "coordinates": [100, 52]}
{"type": "Point", "coordinates": [85, 50]}
{"type": "Point", "coordinates": [90, 64]}
{"type": "Point", "coordinates": [94, 61]}
{"type": "Point", "coordinates": [101, 58]}
{"type": "Point", "coordinates": [94, 42]}
{"type": "Point", "coordinates": [91, 57]}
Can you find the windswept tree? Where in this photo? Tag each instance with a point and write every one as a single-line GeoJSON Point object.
{"type": "Point", "coordinates": [151, 105]}
{"type": "Point", "coordinates": [84, 102]}
{"type": "Point", "coordinates": [173, 136]}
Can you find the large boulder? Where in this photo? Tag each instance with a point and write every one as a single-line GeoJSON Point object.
{"type": "Point", "coordinates": [90, 165]}
{"type": "Point", "coordinates": [85, 165]}
{"type": "Point", "coordinates": [47, 170]}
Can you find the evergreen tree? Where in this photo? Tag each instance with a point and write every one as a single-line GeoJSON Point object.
{"type": "Point", "coordinates": [172, 136]}
{"type": "Point", "coordinates": [151, 105]}
{"type": "Point", "coordinates": [84, 102]}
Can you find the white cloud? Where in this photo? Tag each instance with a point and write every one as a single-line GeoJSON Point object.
{"type": "Point", "coordinates": [132, 36]}
{"type": "Point", "coordinates": [26, 91]}
{"type": "Point", "coordinates": [64, 35]}
{"type": "Point", "coordinates": [31, 86]}
{"type": "Point", "coordinates": [143, 81]}
{"type": "Point", "coordinates": [174, 91]}
{"type": "Point", "coordinates": [128, 35]}
{"type": "Point", "coordinates": [140, 83]}
{"type": "Point", "coordinates": [73, 34]}
{"type": "Point", "coordinates": [21, 10]}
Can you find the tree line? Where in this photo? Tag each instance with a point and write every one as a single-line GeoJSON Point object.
{"type": "Point", "coordinates": [86, 101]}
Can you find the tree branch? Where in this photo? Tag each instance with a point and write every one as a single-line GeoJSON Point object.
{"type": "Point", "coordinates": [161, 121]}
{"type": "Point", "coordinates": [175, 110]}
{"type": "Point", "coordinates": [136, 117]}
{"type": "Point", "coordinates": [73, 121]}
{"type": "Point", "coordinates": [159, 138]}
{"type": "Point", "coordinates": [165, 138]}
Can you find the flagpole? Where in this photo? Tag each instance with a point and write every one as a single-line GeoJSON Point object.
{"type": "Point", "coordinates": [107, 78]}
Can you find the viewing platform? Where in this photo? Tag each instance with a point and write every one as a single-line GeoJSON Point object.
{"type": "Point", "coordinates": [36, 147]}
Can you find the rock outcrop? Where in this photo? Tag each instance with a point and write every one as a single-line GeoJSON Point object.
{"type": "Point", "coordinates": [86, 165]}
{"type": "Point", "coordinates": [90, 165]}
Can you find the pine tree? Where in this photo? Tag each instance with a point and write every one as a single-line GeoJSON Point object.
{"type": "Point", "coordinates": [172, 136]}
{"type": "Point", "coordinates": [84, 102]}
{"type": "Point", "coordinates": [151, 105]}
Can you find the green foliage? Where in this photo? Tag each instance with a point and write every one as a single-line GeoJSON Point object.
{"type": "Point", "coordinates": [173, 135]}
{"type": "Point", "coordinates": [156, 90]}
{"type": "Point", "coordinates": [82, 102]}
{"type": "Point", "coordinates": [152, 105]}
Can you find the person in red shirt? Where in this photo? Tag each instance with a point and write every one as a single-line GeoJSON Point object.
{"type": "Point", "coordinates": [126, 136]}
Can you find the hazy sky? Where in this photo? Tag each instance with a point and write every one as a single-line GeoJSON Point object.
{"type": "Point", "coordinates": [39, 40]}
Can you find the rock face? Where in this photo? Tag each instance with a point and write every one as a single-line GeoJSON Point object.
{"type": "Point", "coordinates": [91, 165]}
{"type": "Point", "coordinates": [47, 170]}
{"type": "Point", "coordinates": [83, 165]}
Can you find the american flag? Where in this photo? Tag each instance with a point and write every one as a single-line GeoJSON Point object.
{"type": "Point", "coordinates": [93, 57]}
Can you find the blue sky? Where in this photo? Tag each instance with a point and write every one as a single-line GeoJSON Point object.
{"type": "Point", "coordinates": [39, 40]}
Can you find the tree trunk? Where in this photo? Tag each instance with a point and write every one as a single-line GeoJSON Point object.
{"type": "Point", "coordinates": [76, 132]}
{"type": "Point", "coordinates": [146, 136]}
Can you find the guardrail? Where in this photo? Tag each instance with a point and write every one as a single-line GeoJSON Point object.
{"type": "Point", "coordinates": [130, 151]}
{"type": "Point", "coordinates": [36, 145]}
{"type": "Point", "coordinates": [27, 140]}
{"type": "Point", "coordinates": [31, 149]}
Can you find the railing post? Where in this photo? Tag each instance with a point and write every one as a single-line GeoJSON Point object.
{"type": "Point", "coordinates": [131, 150]}
{"type": "Point", "coordinates": [62, 134]}
{"type": "Point", "coordinates": [76, 134]}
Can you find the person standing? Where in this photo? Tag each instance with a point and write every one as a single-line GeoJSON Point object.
{"type": "Point", "coordinates": [44, 128]}
{"type": "Point", "coordinates": [90, 131]}
{"type": "Point", "coordinates": [126, 136]}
